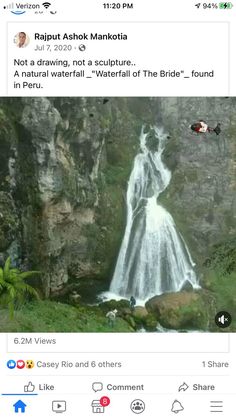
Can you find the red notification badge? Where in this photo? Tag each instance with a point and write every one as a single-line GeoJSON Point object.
{"type": "Point", "coordinates": [105, 401]}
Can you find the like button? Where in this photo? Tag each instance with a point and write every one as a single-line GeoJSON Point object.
{"type": "Point", "coordinates": [29, 388]}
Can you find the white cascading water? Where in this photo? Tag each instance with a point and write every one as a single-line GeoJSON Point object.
{"type": "Point", "coordinates": [153, 258]}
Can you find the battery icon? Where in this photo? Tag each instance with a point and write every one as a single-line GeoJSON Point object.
{"type": "Point", "coordinates": [226, 5]}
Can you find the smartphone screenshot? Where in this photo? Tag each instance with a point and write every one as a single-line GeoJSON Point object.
{"type": "Point", "coordinates": [117, 209]}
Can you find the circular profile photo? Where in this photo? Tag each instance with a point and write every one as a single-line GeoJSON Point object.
{"type": "Point", "coordinates": [21, 40]}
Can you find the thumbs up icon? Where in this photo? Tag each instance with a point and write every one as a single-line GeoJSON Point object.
{"type": "Point", "coordinates": [29, 388]}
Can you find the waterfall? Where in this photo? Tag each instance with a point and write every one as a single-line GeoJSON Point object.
{"type": "Point", "coordinates": [153, 257]}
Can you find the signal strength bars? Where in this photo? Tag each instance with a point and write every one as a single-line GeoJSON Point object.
{"type": "Point", "coordinates": [9, 6]}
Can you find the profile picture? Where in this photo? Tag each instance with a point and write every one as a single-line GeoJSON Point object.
{"type": "Point", "coordinates": [21, 40]}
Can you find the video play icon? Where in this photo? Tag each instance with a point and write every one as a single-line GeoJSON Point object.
{"type": "Point", "coordinates": [59, 406]}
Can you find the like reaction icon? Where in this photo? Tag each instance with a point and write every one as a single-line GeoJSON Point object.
{"type": "Point", "coordinates": [29, 388]}
{"type": "Point", "coordinates": [11, 364]}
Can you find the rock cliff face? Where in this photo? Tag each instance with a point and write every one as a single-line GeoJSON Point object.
{"type": "Point", "coordinates": [65, 163]}
{"type": "Point", "coordinates": [202, 193]}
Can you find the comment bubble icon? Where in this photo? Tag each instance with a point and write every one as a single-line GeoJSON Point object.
{"type": "Point", "coordinates": [97, 386]}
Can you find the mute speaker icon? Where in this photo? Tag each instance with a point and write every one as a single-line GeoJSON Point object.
{"type": "Point", "coordinates": [223, 319]}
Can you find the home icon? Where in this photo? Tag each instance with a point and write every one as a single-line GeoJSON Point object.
{"type": "Point", "coordinates": [97, 407]}
{"type": "Point", "coordinates": [19, 407]}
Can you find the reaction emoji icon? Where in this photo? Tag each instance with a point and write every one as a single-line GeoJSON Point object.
{"type": "Point", "coordinates": [30, 364]}
{"type": "Point", "coordinates": [11, 364]}
{"type": "Point", "coordinates": [20, 364]}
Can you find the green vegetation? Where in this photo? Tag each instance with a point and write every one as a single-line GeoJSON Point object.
{"type": "Point", "coordinates": [8, 221]}
{"type": "Point", "coordinates": [88, 176]}
{"type": "Point", "coordinates": [220, 279]}
{"type": "Point", "coordinates": [223, 257]}
{"type": "Point", "coordinates": [223, 291]}
{"type": "Point", "coordinates": [13, 289]}
{"type": "Point", "coordinates": [194, 317]}
{"type": "Point", "coordinates": [49, 316]}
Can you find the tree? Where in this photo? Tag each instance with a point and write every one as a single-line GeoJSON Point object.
{"type": "Point", "coordinates": [13, 288]}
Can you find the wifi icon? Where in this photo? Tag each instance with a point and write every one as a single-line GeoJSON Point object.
{"type": "Point", "coordinates": [46, 4]}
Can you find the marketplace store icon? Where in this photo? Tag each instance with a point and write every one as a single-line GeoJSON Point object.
{"type": "Point", "coordinates": [97, 407]}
